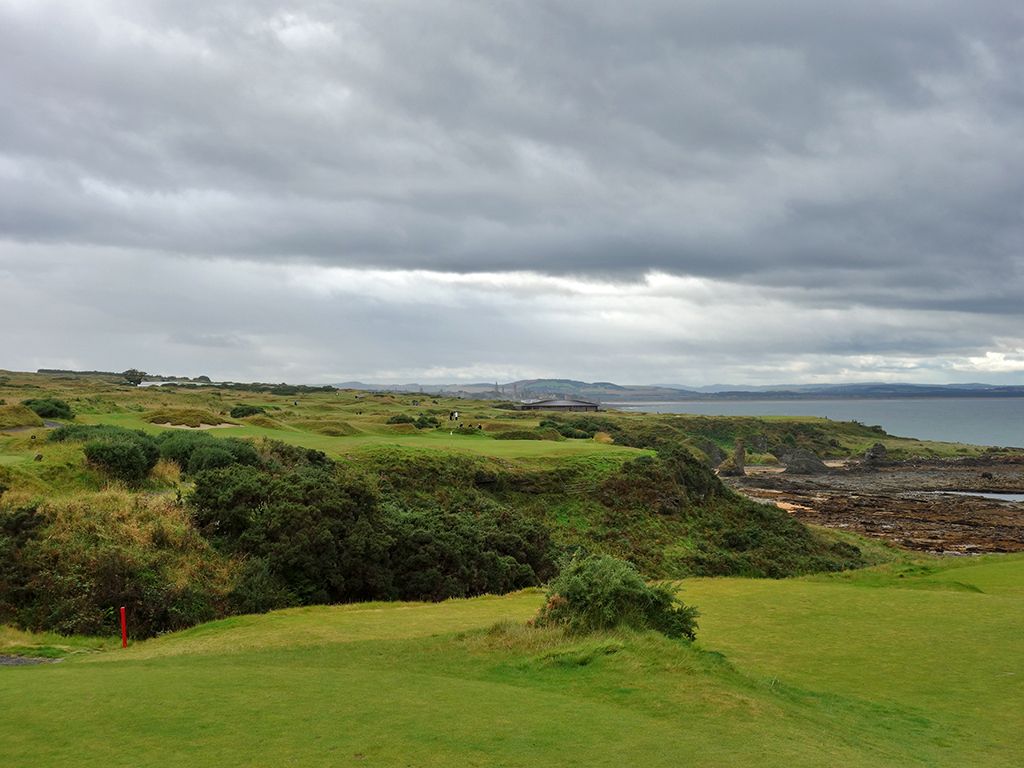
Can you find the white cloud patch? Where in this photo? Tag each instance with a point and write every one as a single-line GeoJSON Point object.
{"type": "Point", "coordinates": [252, 320]}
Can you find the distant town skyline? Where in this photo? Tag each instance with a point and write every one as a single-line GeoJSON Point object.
{"type": "Point", "coordinates": [732, 192]}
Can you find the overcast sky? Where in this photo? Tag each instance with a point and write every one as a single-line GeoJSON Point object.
{"type": "Point", "coordinates": [679, 191]}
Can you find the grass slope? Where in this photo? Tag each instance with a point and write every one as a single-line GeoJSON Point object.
{"type": "Point", "coordinates": [915, 665]}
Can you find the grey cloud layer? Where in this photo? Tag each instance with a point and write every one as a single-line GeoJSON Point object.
{"type": "Point", "coordinates": [843, 182]}
{"type": "Point", "coordinates": [771, 142]}
{"type": "Point", "coordinates": [301, 323]}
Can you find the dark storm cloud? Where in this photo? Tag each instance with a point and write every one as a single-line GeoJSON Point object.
{"type": "Point", "coordinates": [730, 139]}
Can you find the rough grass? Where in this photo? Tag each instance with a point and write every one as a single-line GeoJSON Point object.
{"type": "Point", "coordinates": [12, 416]}
{"type": "Point", "coordinates": [186, 417]}
{"type": "Point", "coordinates": [328, 426]}
{"type": "Point", "coordinates": [853, 670]}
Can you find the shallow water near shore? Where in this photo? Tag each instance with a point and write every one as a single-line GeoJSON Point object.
{"type": "Point", "coordinates": [985, 495]}
{"type": "Point", "coordinates": [976, 420]}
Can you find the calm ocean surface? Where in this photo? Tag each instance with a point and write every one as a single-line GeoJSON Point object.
{"type": "Point", "coordinates": [983, 421]}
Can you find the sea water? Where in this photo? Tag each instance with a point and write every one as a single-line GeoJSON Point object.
{"type": "Point", "coordinates": [977, 420]}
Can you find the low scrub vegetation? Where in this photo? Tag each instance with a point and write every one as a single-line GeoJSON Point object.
{"type": "Point", "coordinates": [68, 566]}
{"type": "Point", "coordinates": [322, 534]}
{"type": "Point", "coordinates": [600, 592]}
{"type": "Point", "coordinates": [126, 455]}
{"type": "Point", "coordinates": [50, 408]}
{"type": "Point", "coordinates": [241, 411]}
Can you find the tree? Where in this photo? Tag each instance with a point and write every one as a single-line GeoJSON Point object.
{"type": "Point", "coordinates": [134, 376]}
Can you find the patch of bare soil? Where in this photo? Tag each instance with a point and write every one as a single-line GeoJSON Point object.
{"type": "Point", "coordinates": [903, 502]}
{"type": "Point", "coordinates": [23, 661]}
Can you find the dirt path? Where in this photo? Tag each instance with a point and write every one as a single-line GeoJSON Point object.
{"type": "Point", "coordinates": [23, 661]}
{"type": "Point", "coordinates": [46, 425]}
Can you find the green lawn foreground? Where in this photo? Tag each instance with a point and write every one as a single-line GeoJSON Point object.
{"type": "Point", "coordinates": [896, 666]}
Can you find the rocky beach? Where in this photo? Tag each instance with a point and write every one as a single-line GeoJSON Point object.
{"type": "Point", "coordinates": [924, 505]}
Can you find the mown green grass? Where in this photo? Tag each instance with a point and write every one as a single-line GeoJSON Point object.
{"type": "Point", "coordinates": [441, 440]}
{"type": "Point", "coordinates": [896, 666]}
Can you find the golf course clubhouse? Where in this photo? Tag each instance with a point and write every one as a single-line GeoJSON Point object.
{"type": "Point", "coordinates": [559, 405]}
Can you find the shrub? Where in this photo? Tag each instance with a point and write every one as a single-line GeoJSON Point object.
{"type": "Point", "coordinates": [241, 411]}
{"type": "Point", "coordinates": [437, 555]}
{"type": "Point", "coordinates": [180, 447]}
{"type": "Point", "coordinates": [50, 408]}
{"type": "Point", "coordinates": [528, 434]}
{"type": "Point", "coordinates": [319, 534]}
{"type": "Point", "coordinates": [73, 563]}
{"type": "Point", "coordinates": [121, 459]}
{"type": "Point", "coordinates": [124, 454]}
{"type": "Point", "coordinates": [401, 418]}
{"type": "Point", "coordinates": [323, 535]}
{"type": "Point", "coordinates": [426, 422]}
{"type": "Point", "coordinates": [259, 590]}
{"type": "Point", "coordinates": [124, 462]}
{"type": "Point", "coordinates": [209, 457]}
{"type": "Point", "coordinates": [599, 592]}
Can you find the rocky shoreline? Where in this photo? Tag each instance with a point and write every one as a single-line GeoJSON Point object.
{"type": "Point", "coordinates": [905, 503]}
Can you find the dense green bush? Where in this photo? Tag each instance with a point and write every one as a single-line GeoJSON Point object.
{"type": "Point", "coordinates": [50, 408]}
{"type": "Point", "coordinates": [121, 459]}
{"type": "Point", "coordinates": [180, 446]}
{"type": "Point", "coordinates": [401, 418]}
{"type": "Point", "coordinates": [209, 457]}
{"type": "Point", "coordinates": [520, 434]}
{"type": "Point", "coordinates": [426, 421]}
{"type": "Point", "coordinates": [241, 411]}
{"type": "Point", "coordinates": [125, 454]}
{"type": "Point", "coordinates": [318, 534]}
{"type": "Point", "coordinates": [68, 567]}
{"type": "Point", "coordinates": [599, 592]}
{"type": "Point", "coordinates": [437, 555]}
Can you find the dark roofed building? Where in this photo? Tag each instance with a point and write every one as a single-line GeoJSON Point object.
{"type": "Point", "coordinates": [559, 405]}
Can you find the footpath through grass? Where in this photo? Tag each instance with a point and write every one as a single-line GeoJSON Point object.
{"type": "Point", "coordinates": [904, 665]}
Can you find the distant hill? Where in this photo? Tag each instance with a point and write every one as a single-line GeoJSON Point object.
{"type": "Point", "coordinates": [609, 392]}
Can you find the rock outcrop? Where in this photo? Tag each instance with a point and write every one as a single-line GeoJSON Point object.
{"type": "Point", "coordinates": [800, 461]}
{"type": "Point", "coordinates": [735, 465]}
{"type": "Point", "coordinates": [876, 454]}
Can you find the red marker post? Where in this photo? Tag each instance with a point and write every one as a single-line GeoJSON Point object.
{"type": "Point", "coordinates": [124, 629]}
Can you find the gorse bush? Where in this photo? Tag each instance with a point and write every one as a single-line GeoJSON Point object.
{"type": "Point", "coordinates": [122, 459]}
{"type": "Point", "coordinates": [68, 566]}
{"type": "Point", "coordinates": [209, 457]}
{"type": "Point", "coordinates": [401, 418]}
{"type": "Point", "coordinates": [316, 534]}
{"type": "Point", "coordinates": [181, 447]}
{"type": "Point", "coordinates": [241, 411]}
{"type": "Point", "coordinates": [50, 408]}
{"type": "Point", "coordinates": [127, 455]}
{"type": "Point", "coordinates": [426, 421]}
{"type": "Point", "coordinates": [599, 592]}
